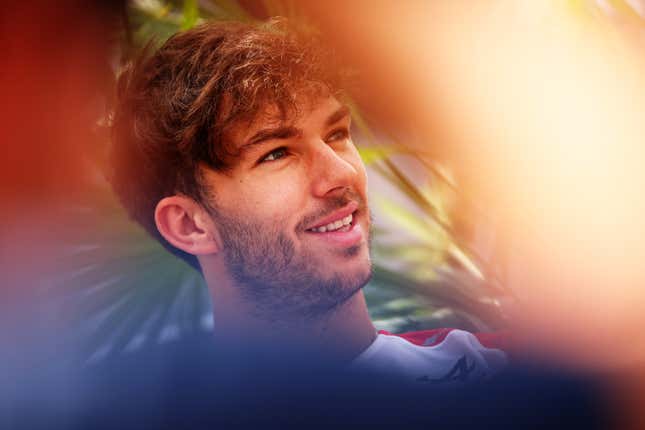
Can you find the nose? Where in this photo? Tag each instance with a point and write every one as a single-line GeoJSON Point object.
{"type": "Point", "coordinates": [332, 171]}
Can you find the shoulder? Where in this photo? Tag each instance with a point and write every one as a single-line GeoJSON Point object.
{"type": "Point", "coordinates": [440, 355]}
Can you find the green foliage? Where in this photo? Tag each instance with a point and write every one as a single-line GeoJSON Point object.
{"type": "Point", "coordinates": [190, 15]}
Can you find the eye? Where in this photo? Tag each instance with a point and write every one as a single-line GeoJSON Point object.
{"type": "Point", "coordinates": [274, 155]}
{"type": "Point", "coordinates": [339, 134]}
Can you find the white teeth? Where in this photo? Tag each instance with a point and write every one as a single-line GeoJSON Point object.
{"type": "Point", "coordinates": [335, 225]}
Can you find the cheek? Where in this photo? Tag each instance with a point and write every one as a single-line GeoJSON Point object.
{"type": "Point", "coordinates": [277, 200]}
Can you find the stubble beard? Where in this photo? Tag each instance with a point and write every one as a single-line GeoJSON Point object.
{"type": "Point", "coordinates": [279, 282]}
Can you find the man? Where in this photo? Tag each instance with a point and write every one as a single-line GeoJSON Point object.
{"type": "Point", "coordinates": [232, 147]}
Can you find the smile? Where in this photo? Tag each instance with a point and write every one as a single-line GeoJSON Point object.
{"type": "Point", "coordinates": [344, 231]}
{"type": "Point", "coordinates": [337, 220]}
{"type": "Point", "coordinates": [343, 224]}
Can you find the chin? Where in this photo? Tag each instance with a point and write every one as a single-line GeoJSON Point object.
{"type": "Point", "coordinates": [361, 273]}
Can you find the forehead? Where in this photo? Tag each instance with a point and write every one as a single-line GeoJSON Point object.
{"type": "Point", "coordinates": [308, 112]}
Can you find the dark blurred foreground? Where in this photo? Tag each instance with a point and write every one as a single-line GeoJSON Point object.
{"type": "Point", "coordinates": [192, 384]}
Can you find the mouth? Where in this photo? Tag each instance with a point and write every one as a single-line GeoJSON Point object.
{"type": "Point", "coordinates": [340, 228]}
{"type": "Point", "coordinates": [340, 220]}
{"type": "Point", "coordinates": [342, 224]}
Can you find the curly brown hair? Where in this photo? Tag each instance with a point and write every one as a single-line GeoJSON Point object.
{"type": "Point", "coordinates": [174, 107]}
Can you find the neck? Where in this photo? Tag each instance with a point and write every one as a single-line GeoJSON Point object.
{"type": "Point", "coordinates": [336, 336]}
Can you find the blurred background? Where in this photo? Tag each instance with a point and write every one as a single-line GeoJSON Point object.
{"type": "Point", "coordinates": [503, 141]}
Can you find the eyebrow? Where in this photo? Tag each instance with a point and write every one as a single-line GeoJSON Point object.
{"type": "Point", "coordinates": [288, 132]}
{"type": "Point", "coordinates": [285, 132]}
{"type": "Point", "coordinates": [340, 113]}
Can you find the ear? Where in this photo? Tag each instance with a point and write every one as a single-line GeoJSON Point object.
{"type": "Point", "coordinates": [186, 225]}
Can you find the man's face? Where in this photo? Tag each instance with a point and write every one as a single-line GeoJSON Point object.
{"type": "Point", "coordinates": [292, 213]}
